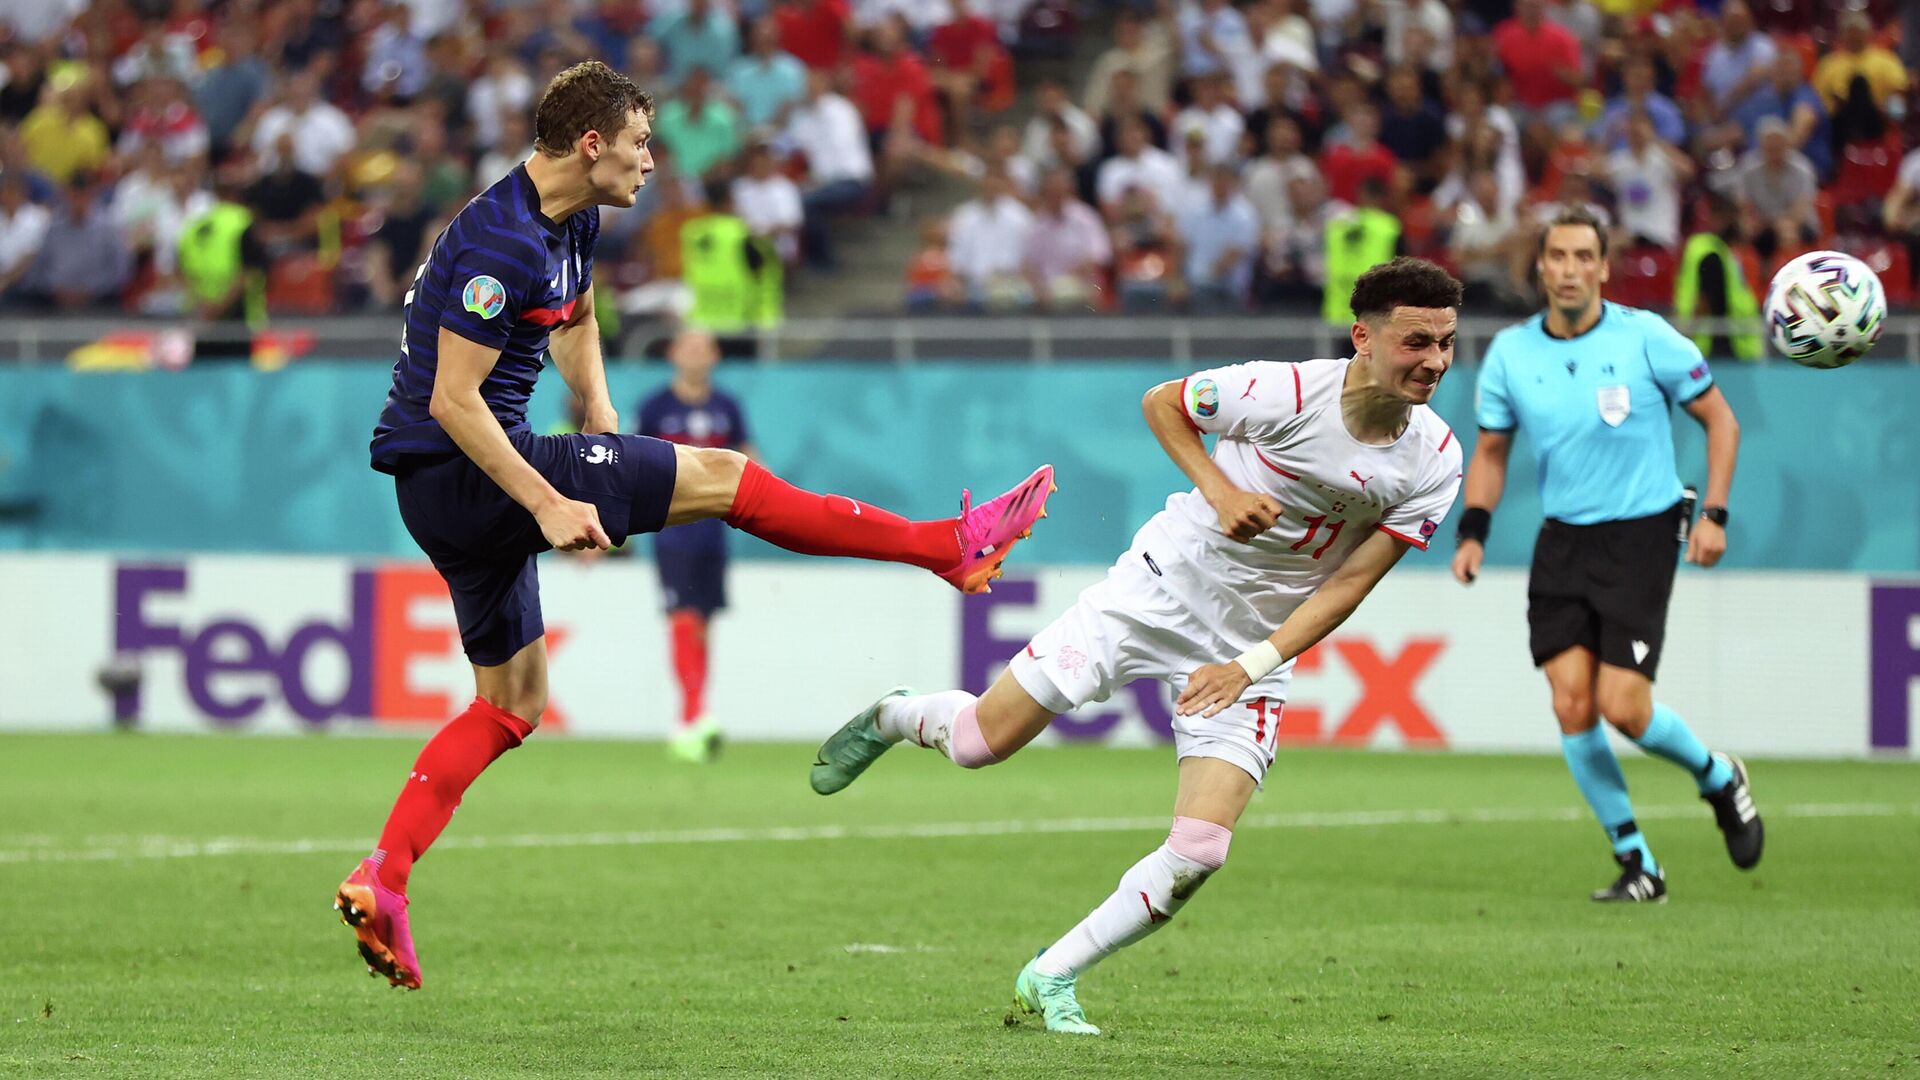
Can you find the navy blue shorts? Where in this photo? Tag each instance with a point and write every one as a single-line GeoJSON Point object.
{"type": "Point", "coordinates": [483, 543]}
{"type": "Point", "coordinates": [693, 566]}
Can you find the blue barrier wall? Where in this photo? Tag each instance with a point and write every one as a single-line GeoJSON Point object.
{"type": "Point", "coordinates": [227, 459]}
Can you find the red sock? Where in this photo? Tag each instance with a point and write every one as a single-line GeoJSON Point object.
{"type": "Point", "coordinates": [448, 763]}
{"type": "Point", "coordinates": [690, 662]}
{"type": "Point", "coordinates": [779, 513]}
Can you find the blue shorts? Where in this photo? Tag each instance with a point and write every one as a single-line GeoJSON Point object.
{"type": "Point", "coordinates": [483, 543]}
{"type": "Point", "coordinates": [693, 566]}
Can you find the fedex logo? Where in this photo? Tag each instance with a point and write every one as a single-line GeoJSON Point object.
{"type": "Point", "coordinates": [1387, 684]}
{"type": "Point", "coordinates": [232, 669]}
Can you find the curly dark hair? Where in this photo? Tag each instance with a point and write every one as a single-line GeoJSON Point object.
{"type": "Point", "coordinates": [1404, 282]}
{"type": "Point", "coordinates": [589, 96]}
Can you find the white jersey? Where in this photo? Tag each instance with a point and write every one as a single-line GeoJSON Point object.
{"type": "Point", "coordinates": [1281, 434]}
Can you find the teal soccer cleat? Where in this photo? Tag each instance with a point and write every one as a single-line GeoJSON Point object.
{"type": "Point", "coordinates": [847, 752]}
{"type": "Point", "coordinates": [1051, 998]}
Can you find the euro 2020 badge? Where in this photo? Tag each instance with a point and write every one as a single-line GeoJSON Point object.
{"type": "Point", "coordinates": [484, 296]}
{"type": "Point", "coordinates": [1206, 398]}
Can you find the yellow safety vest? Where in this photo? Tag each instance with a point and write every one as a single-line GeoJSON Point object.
{"type": "Point", "coordinates": [1742, 305]}
{"type": "Point", "coordinates": [1357, 241]}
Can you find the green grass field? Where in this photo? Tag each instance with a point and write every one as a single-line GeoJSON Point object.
{"type": "Point", "coordinates": [595, 910]}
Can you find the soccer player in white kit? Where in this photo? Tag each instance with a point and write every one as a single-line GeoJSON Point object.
{"type": "Point", "coordinates": [1324, 474]}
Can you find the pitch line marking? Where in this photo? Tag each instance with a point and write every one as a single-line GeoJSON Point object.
{"type": "Point", "coordinates": [170, 847]}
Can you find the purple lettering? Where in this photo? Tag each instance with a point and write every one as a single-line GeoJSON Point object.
{"type": "Point", "coordinates": [355, 642]}
{"type": "Point", "coordinates": [131, 631]}
{"type": "Point", "coordinates": [1893, 665]}
{"type": "Point", "coordinates": [205, 659]}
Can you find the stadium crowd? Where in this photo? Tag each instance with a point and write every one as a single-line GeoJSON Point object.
{"type": "Point", "coordinates": [230, 157]}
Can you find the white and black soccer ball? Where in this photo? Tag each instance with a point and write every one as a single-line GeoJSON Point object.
{"type": "Point", "coordinates": [1825, 309]}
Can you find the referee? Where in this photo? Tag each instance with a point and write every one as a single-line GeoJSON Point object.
{"type": "Point", "coordinates": [1593, 384]}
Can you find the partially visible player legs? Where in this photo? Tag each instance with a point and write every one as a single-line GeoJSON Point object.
{"type": "Point", "coordinates": [698, 736]}
{"type": "Point", "coordinates": [1596, 771]}
{"type": "Point", "coordinates": [972, 731]}
{"type": "Point", "coordinates": [1213, 794]}
{"type": "Point", "coordinates": [1626, 700]}
{"type": "Point", "coordinates": [965, 551]}
{"type": "Point", "coordinates": [373, 900]}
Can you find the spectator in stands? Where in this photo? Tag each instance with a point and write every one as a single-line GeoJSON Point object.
{"type": "Point", "coordinates": [1280, 97]}
{"type": "Point", "coordinates": [1775, 186]}
{"type": "Point", "coordinates": [25, 70]}
{"type": "Point", "coordinates": [1220, 234]}
{"type": "Point", "coordinates": [896, 100]}
{"type": "Point", "coordinates": [1068, 251]}
{"type": "Point", "coordinates": [1647, 175]}
{"type": "Point", "coordinates": [1543, 63]}
{"type": "Point", "coordinates": [1736, 65]}
{"type": "Point", "coordinates": [1900, 212]}
{"type": "Point", "coordinates": [1786, 95]}
{"type": "Point", "coordinates": [703, 35]}
{"type": "Point", "coordinates": [1052, 107]}
{"type": "Point", "coordinates": [158, 53]}
{"type": "Point", "coordinates": [61, 136]}
{"type": "Point", "coordinates": [1419, 32]}
{"type": "Point", "coordinates": [1003, 152]}
{"type": "Point", "coordinates": [84, 261]}
{"type": "Point", "coordinates": [828, 130]}
{"type": "Point", "coordinates": [610, 26]}
{"type": "Point", "coordinates": [987, 244]}
{"type": "Point", "coordinates": [152, 204]}
{"type": "Point", "coordinates": [970, 69]}
{"type": "Point", "coordinates": [163, 114]}
{"type": "Point", "coordinates": [514, 146]}
{"type": "Point", "coordinates": [1360, 157]}
{"type": "Point", "coordinates": [1212, 115]}
{"type": "Point", "coordinates": [702, 130]}
{"type": "Point", "coordinates": [1249, 87]}
{"type": "Point", "coordinates": [1144, 247]}
{"type": "Point", "coordinates": [321, 132]}
{"type": "Point", "coordinates": [1638, 94]}
{"type": "Point", "coordinates": [1212, 34]}
{"type": "Point", "coordinates": [1123, 102]}
{"type": "Point", "coordinates": [651, 279]}
{"type": "Point", "coordinates": [396, 60]}
{"type": "Point", "coordinates": [1711, 283]}
{"type": "Point", "coordinates": [1858, 80]}
{"type": "Point", "coordinates": [769, 202]}
{"type": "Point", "coordinates": [766, 82]}
{"type": "Point", "coordinates": [930, 281]}
{"type": "Point", "coordinates": [1414, 129]}
{"type": "Point", "coordinates": [400, 242]}
{"type": "Point", "coordinates": [1141, 48]}
{"type": "Point", "coordinates": [286, 202]}
{"type": "Point", "coordinates": [1482, 240]}
{"type": "Point", "coordinates": [1138, 165]}
{"type": "Point", "coordinates": [733, 277]}
{"type": "Point", "coordinates": [229, 89]}
{"type": "Point", "coordinates": [503, 89]}
{"type": "Point", "coordinates": [814, 31]}
{"type": "Point", "coordinates": [1357, 240]}
{"type": "Point", "coordinates": [23, 229]}
{"type": "Point", "coordinates": [1271, 175]}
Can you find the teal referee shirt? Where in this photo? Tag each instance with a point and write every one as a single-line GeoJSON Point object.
{"type": "Point", "coordinates": [1598, 408]}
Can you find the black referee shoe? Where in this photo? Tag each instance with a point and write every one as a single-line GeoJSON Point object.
{"type": "Point", "coordinates": [1634, 885]}
{"type": "Point", "coordinates": [1739, 820]}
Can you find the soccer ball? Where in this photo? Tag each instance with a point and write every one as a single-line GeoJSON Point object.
{"type": "Point", "coordinates": [1825, 309]}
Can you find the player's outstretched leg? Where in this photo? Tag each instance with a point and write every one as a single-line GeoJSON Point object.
{"type": "Point", "coordinates": [1597, 772]}
{"type": "Point", "coordinates": [1150, 893]}
{"type": "Point", "coordinates": [1721, 778]}
{"type": "Point", "coordinates": [966, 552]}
{"type": "Point", "coordinates": [373, 899]}
{"type": "Point", "coordinates": [971, 731]}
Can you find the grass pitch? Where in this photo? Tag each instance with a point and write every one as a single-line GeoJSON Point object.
{"type": "Point", "coordinates": [595, 910]}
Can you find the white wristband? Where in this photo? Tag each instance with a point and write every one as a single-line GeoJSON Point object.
{"type": "Point", "coordinates": [1259, 661]}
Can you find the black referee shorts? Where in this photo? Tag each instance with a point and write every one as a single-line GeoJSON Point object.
{"type": "Point", "coordinates": [1604, 586]}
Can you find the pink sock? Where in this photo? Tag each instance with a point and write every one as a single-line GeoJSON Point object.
{"type": "Point", "coordinates": [970, 749]}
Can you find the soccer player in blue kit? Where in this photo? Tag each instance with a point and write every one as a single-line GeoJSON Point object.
{"type": "Point", "coordinates": [510, 279]}
{"type": "Point", "coordinates": [1592, 383]}
{"type": "Point", "coordinates": [692, 558]}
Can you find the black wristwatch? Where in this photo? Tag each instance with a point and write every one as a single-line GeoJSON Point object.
{"type": "Point", "coordinates": [1715, 514]}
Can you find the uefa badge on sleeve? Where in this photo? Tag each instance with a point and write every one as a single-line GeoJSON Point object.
{"type": "Point", "coordinates": [1427, 528]}
{"type": "Point", "coordinates": [484, 296]}
{"type": "Point", "coordinates": [1206, 398]}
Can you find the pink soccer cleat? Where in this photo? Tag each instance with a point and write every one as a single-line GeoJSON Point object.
{"type": "Point", "coordinates": [989, 531]}
{"type": "Point", "coordinates": [378, 916]}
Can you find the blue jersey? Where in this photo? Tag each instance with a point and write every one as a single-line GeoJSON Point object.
{"type": "Point", "coordinates": [1598, 409]}
{"type": "Point", "coordinates": [717, 422]}
{"type": "Point", "coordinates": [501, 275]}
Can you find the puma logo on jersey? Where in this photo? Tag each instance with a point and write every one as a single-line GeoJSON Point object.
{"type": "Point", "coordinates": [1152, 915]}
{"type": "Point", "coordinates": [1248, 392]}
{"type": "Point", "coordinates": [1362, 479]}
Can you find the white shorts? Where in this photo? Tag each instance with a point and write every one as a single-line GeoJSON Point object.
{"type": "Point", "coordinates": [1126, 628]}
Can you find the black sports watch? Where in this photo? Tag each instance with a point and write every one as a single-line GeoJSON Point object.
{"type": "Point", "coordinates": [1715, 514]}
